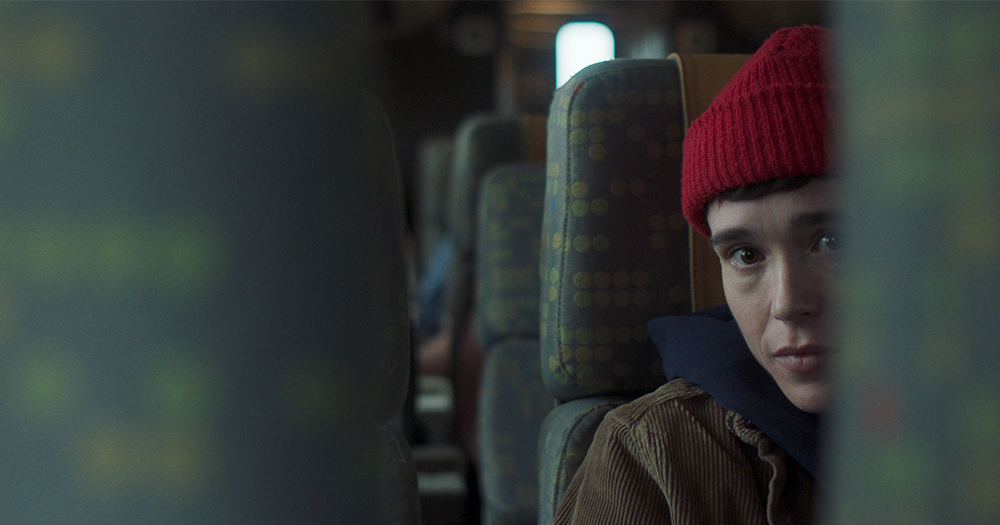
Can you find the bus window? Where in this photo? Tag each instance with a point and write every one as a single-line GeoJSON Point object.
{"type": "Point", "coordinates": [580, 44]}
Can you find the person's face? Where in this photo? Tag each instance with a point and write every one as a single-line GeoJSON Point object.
{"type": "Point", "coordinates": [778, 255]}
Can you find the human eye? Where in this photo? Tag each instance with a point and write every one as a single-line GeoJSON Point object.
{"type": "Point", "coordinates": [828, 242]}
{"type": "Point", "coordinates": [744, 256]}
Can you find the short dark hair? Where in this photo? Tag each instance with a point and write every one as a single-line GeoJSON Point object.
{"type": "Point", "coordinates": [760, 189]}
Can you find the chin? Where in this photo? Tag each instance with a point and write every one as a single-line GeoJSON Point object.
{"type": "Point", "coordinates": [812, 397]}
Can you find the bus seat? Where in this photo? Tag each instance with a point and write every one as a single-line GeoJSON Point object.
{"type": "Point", "coordinates": [254, 366]}
{"type": "Point", "coordinates": [378, 325]}
{"type": "Point", "coordinates": [400, 472]}
{"type": "Point", "coordinates": [568, 431]}
{"type": "Point", "coordinates": [513, 401]}
{"type": "Point", "coordinates": [507, 252]}
{"type": "Point", "coordinates": [482, 141]}
{"type": "Point", "coordinates": [614, 251]}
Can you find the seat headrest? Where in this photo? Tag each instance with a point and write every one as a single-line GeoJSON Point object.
{"type": "Point", "coordinates": [507, 252]}
{"type": "Point", "coordinates": [614, 242]}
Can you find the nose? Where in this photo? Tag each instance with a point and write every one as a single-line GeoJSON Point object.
{"type": "Point", "coordinates": [798, 291]}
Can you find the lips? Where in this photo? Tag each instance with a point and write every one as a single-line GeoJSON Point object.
{"type": "Point", "coordinates": [806, 359]}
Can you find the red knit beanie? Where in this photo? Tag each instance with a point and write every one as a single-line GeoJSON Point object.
{"type": "Point", "coordinates": [768, 122]}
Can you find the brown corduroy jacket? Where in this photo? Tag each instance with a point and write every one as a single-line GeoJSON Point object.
{"type": "Point", "coordinates": [676, 456]}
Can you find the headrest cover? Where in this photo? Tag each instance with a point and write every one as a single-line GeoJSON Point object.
{"type": "Point", "coordinates": [768, 122]}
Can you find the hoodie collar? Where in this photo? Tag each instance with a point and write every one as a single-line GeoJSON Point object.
{"type": "Point", "coordinates": [707, 348]}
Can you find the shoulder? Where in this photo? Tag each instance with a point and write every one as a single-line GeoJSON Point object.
{"type": "Point", "coordinates": [660, 459]}
{"type": "Point", "coordinates": [676, 410]}
{"type": "Point", "coordinates": [677, 397]}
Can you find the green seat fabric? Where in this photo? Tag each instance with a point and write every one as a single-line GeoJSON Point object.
{"type": "Point", "coordinates": [513, 403]}
{"type": "Point", "coordinates": [507, 252]}
{"type": "Point", "coordinates": [512, 399]}
{"type": "Point", "coordinates": [917, 407]}
{"type": "Point", "coordinates": [203, 285]}
{"type": "Point", "coordinates": [614, 242]}
{"type": "Point", "coordinates": [614, 251]}
{"type": "Point", "coordinates": [482, 142]}
{"type": "Point", "coordinates": [565, 437]}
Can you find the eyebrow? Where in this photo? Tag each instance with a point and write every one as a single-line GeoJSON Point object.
{"type": "Point", "coordinates": [729, 235]}
{"type": "Point", "coordinates": [813, 219]}
{"type": "Point", "coordinates": [799, 221]}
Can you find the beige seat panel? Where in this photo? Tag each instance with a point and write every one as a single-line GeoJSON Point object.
{"type": "Point", "coordinates": [702, 77]}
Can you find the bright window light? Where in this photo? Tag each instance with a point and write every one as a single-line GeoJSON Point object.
{"type": "Point", "coordinates": [580, 44]}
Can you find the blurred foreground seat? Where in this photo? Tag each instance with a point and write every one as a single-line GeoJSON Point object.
{"type": "Point", "coordinates": [253, 365]}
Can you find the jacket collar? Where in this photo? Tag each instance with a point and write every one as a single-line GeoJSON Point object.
{"type": "Point", "coordinates": [707, 348]}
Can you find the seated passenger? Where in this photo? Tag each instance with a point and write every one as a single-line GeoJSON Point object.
{"type": "Point", "coordinates": [732, 438]}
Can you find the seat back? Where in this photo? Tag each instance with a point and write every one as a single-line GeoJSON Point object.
{"type": "Point", "coordinates": [507, 251]}
{"type": "Point", "coordinates": [677, 263]}
{"type": "Point", "coordinates": [614, 250]}
{"type": "Point", "coordinates": [386, 342]}
{"type": "Point", "coordinates": [512, 401]}
{"type": "Point", "coordinates": [209, 342]}
{"type": "Point", "coordinates": [916, 426]}
{"type": "Point", "coordinates": [702, 77]}
{"type": "Point", "coordinates": [482, 142]}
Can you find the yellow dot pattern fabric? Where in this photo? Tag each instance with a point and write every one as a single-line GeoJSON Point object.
{"type": "Point", "coordinates": [507, 252]}
{"type": "Point", "coordinates": [512, 405]}
{"type": "Point", "coordinates": [483, 141]}
{"type": "Point", "coordinates": [614, 245]}
{"type": "Point", "coordinates": [512, 399]}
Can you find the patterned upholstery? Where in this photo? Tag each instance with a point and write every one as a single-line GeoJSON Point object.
{"type": "Point", "coordinates": [512, 400]}
{"type": "Point", "coordinates": [915, 439]}
{"type": "Point", "coordinates": [614, 250]}
{"type": "Point", "coordinates": [513, 403]}
{"type": "Point", "coordinates": [482, 141]}
{"type": "Point", "coordinates": [510, 222]}
{"type": "Point", "coordinates": [566, 435]}
{"type": "Point", "coordinates": [193, 327]}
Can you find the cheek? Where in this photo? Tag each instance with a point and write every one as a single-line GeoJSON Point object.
{"type": "Point", "coordinates": [748, 310]}
{"type": "Point", "coordinates": [752, 325]}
